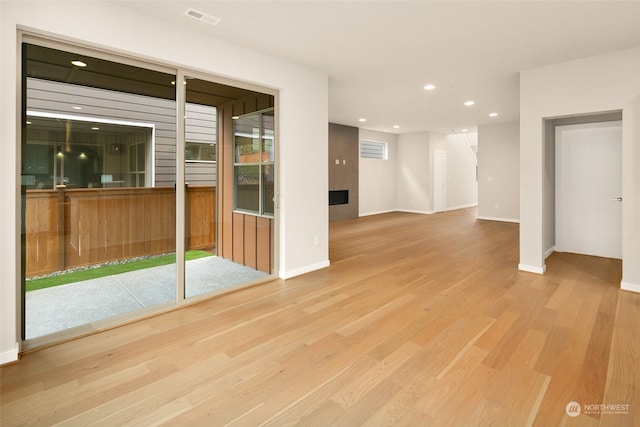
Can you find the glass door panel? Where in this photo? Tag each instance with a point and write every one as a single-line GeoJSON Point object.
{"type": "Point", "coordinates": [98, 190]}
{"type": "Point", "coordinates": [212, 181]}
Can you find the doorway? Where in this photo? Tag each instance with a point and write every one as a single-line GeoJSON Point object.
{"type": "Point", "coordinates": [589, 188]}
{"type": "Point", "coordinates": [122, 202]}
{"type": "Point", "coordinates": [439, 181]}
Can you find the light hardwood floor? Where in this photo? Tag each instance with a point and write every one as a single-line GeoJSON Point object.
{"type": "Point", "coordinates": [420, 320]}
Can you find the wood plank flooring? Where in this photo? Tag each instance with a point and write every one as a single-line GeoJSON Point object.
{"type": "Point", "coordinates": [420, 320]}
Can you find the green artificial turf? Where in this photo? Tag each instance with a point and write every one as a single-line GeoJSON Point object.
{"type": "Point", "coordinates": [109, 270]}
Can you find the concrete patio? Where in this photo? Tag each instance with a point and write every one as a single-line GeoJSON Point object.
{"type": "Point", "coordinates": [58, 308]}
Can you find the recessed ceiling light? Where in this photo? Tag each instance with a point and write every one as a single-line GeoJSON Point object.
{"type": "Point", "coordinates": [75, 107]}
{"type": "Point", "coordinates": [493, 114]}
{"type": "Point", "coordinates": [396, 126]}
{"type": "Point", "coordinates": [95, 128]}
{"type": "Point", "coordinates": [28, 122]}
{"type": "Point", "coordinates": [201, 16]}
{"type": "Point", "coordinates": [235, 117]}
{"type": "Point", "coordinates": [465, 130]}
{"type": "Point", "coordinates": [362, 120]}
{"type": "Point", "coordinates": [429, 87]}
{"type": "Point", "coordinates": [79, 63]}
{"type": "Point", "coordinates": [469, 103]}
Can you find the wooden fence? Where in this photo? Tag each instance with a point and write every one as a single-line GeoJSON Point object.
{"type": "Point", "coordinates": [70, 228]}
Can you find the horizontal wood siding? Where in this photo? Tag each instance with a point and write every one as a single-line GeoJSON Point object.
{"type": "Point", "coordinates": [201, 126]}
{"type": "Point", "coordinates": [54, 97]}
{"type": "Point", "coordinates": [71, 228]}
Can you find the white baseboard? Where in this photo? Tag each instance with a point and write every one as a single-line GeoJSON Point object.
{"type": "Point", "coordinates": [632, 287]}
{"type": "Point", "coordinates": [302, 270]}
{"type": "Point", "coordinates": [10, 356]}
{"type": "Point", "coordinates": [415, 212]}
{"type": "Point", "coordinates": [549, 251]}
{"type": "Point", "coordinates": [455, 208]}
{"type": "Point", "coordinates": [376, 213]}
{"type": "Point", "coordinates": [532, 268]}
{"type": "Point", "coordinates": [490, 218]}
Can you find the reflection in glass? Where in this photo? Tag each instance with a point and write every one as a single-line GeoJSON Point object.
{"type": "Point", "coordinates": [248, 188]}
{"type": "Point", "coordinates": [254, 144]}
{"type": "Point", "coordinates": [99, 199]}
{"type": "Point", "coordinates": [268, 189]}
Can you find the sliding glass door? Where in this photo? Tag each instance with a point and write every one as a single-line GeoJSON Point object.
{"type": "Point", "coordinates": [210, 264]}
{"type": "Point", "coordinates": [98, 181]}
{"type": "Point", "coordinates": [129, 189]}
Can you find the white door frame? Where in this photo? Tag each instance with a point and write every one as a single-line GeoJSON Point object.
{"type": "Point", "coordinates": [439, 181]}
{"type": "Point", "coordinates": [574, 234]}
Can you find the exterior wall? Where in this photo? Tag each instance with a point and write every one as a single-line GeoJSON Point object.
{"type": "Point", "coordinates": [201, 125]}
{"type": "Point", "coordinates": [302, 128]}
{"type": "Point", "coordinates": [246, 239]}
{"type": "Point", "coordinates": [54, 97]}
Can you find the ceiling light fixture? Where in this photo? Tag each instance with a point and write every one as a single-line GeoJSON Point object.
{"type": "Point", "coordinates": [493, 114]}
{"type": "Point", "coordinates": [201, 16]}
{"type": "Point", "coordinates": [396, 126]}
{"type": "Point", "coordinates": [75, 107]}
{"type": "Point", "coordinates": [430, 87]}
{"type": "Point", "coordinates": [95, 128]}
{"type": "Point", "coordinates": [469, 103]}
{"type": "Point", "coordinates": [79, 63]}
{"type": "Point", "coordinates": [465, 130]}
{"type": "Point", "coordinates": [362, 120]}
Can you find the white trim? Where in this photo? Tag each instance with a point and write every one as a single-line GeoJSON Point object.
{"type": "Point", "coordinates": [385, 149]}
{"type": "Point", "coordinates": [416, 212]}
{"type": "Point", "coordinates": [549, 251]}
{"type": "Point", "coordinates": [492, 218]}
{"type": "Point", "coordinates": [32, 113]}
{"type": "Point", "coordinates": [455, 208]}
{"type": "Point", "coordinates": [532, 268]}
{"type": "Point", "coordinates": [632, 287]}
{"type": "Point", "coordinates": [10, 356]}
{"type": "Point", "coordinates": [284, 275]}
{"type": "Point", "coordinates": [376, 212]}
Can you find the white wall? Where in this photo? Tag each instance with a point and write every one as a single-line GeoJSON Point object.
{"type": "Point", "coordinates": [462, 188]}
{"type": "Point", "coordinates": [303, 107]}
{"type": "Point", "coordinates": [378, 177]}
{"type": "Point", "coordinates": [413, 174]}
{"type": "Point", "coordinates": [596, 84]}
{"type": "Point", "coordinates": [499, 172]}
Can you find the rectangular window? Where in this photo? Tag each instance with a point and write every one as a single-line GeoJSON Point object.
{"type": "Point", "coordinates": [373, 150]}
{"type": "Point", "coordinates": [200, 132]}
{"type": "Point", "coordinates": [254, 155]}
{"type": "Point", "coordinates": [201, 151]}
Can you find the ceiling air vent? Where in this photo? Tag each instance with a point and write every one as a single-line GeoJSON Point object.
{"type": "Point", "coordinates": [201, 16]}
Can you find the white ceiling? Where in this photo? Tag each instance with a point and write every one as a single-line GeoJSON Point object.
{"type": "Point", "coordinates": [380, 54]}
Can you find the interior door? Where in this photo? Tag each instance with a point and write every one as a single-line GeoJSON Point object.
{"type": "Point", "coordinates": [589, 189]}
{"type": "Point", "coordinates": [439, 181]}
